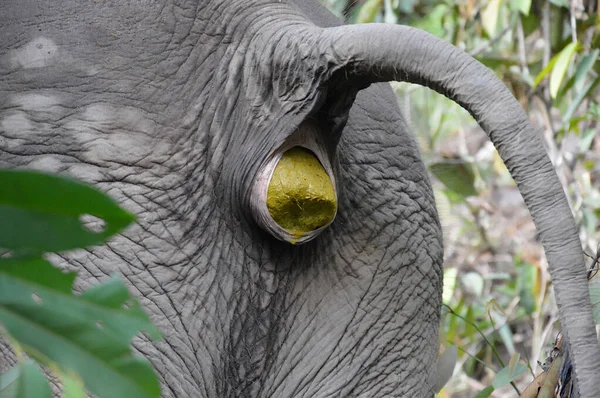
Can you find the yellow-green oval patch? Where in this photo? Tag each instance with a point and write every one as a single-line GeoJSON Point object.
{"type": "Point", "coordinates": [301, 196]}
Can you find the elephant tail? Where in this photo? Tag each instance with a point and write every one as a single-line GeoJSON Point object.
{"type": "Point", "coordinates": [378, 52]}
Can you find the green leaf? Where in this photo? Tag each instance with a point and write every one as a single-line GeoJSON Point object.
{"type": "Point", "coordinates": [41, 213]}
{"type": "Point", "coordinates": [494, 61]}
{"type": "Point", "coordinates": [405, 6]}
{"type": "Point", "coordinates": [8, 382]}
{"type": "Point", "coordinates": [445, 366]}
{"type": "Point", "coordinates": [21, 279]}
{"type": "Point", "coordinates": [577, 100]}
{"type": "Point", "coordinates": [545, 71]}
{"type": "Point", "coordinates": [560, 3]}
{"type": "Point", "coordinates": [450, 275]}
{"type": "Point", "coordinates": [560, 67]}
{"type": "Point", "coordinates": [523, 6]}
{"type": "Point", "coordinates": [507, 338]}
{"type": "Point", "coordinates": [530, 23]}
{"type": "Point", "coordinates": [586, 139]}
{"type": "Point", "coordinates": [526, 284]}
{"type": "Point", "coordinates": [506, 376]}
{"type": "Point", "coordinates": [72, 386]}
{"type": "Point", "coordinates": [589, 220]}
{"type": "Point", "coordinates": [514, 361]}
{"type": "Point", "coordinates": [584, 67]}
{"type": "Point", "coordinates": [456, 176]}
{"type": "Point", "coordinates": [127, 315]}
{"type": "Point", "coordinates": [485, 393]}
{"type": "Point", "coordinates": [433, 21]}
{"type": "Point", "coordinates": [490, 16]}
{"type": "Point", "coordinates": [335, 6]}
{"type": "Point", "coordinates": [578, 78]}
{"type": "Point", "coordinates": [31, 382]}
{"type": "Point", "coordinates": [470, 328]}
{"type": "Point", "coordinates": [88, 335]}
{"type": "Point", "coordinates": [369, 11]}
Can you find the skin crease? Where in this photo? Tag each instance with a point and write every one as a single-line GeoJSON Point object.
{"type": "Point", "coordinates": [172, 109]}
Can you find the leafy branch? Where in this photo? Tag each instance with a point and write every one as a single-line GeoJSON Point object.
{"type": "Point", "coordinates": [85, 339]}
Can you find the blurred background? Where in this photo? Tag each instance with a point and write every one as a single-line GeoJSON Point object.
{"type": "Point", "coordinates": [499, 313]}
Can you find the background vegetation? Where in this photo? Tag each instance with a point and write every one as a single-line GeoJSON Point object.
{"type": "Point", "coordinates": [500, 311]}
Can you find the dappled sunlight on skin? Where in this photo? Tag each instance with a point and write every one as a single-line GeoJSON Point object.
{"type": "Point", "coordinates": [41, 102]}
{"type": "Point", "coordinates": [130, 135]}
{"type": "Point", "coordinates": [99, 132]}
{"type": "Point", "coordinates": [15, 126]}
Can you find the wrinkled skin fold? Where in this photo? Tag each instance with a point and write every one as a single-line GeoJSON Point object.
{"type": "Point", "coordinates": [175, 107]}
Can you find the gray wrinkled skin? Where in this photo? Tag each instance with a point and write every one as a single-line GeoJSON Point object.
{"type": "Point", "coordinates": [172, 107]}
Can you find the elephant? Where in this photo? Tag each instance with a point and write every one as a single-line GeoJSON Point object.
{"type": "Point", "coordinates": [183, 110]}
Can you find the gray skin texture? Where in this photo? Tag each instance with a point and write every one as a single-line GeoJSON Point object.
{"type": "Point", "coordinates": [173, 107]}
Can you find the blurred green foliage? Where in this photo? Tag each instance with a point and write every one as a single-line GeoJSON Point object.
{"type": "Point", "coordinates": [497, 291]}
{"type": "Point", "coordinates": [83, 339]}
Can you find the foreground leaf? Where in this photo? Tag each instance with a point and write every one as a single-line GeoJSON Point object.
{"type": "Point", "coordinates": [24, 381]}
{"type": "Point", "coordinates": [42, 213]}
{"type": "Point", "coordinates": [88, 335]}
{"type": "Point", "coordinates": [72, 387]}
{"type": "Point", "coordinates": [8, 383]}
{"type": "Point", "coordinates": [31, 382]}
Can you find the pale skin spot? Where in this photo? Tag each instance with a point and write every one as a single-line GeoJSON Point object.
{"type": "Point", "coordinates": [109, 132]}
{"type": "Point", "coordinates": [49, 164]}
{"type": "Point", "coordinates": [14, 128]}
{"type": "Point", "coordinates": [27, 115]}
{"type": "Point", "coordinates": [38, 53]}
{"type": "Point", "coordinates": [102, 131]}
{"type": "Point", "coordinates": [84, 172]}
{"type": "Point", "coordinates": [98, 113]}
{"type": "Point", "coordinates": [36, 102]}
